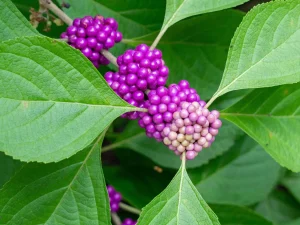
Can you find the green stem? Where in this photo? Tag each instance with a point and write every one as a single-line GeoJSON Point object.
{"type": "Point", "coordinates": [110, 147]}
{"type": "Point", "coordinates": [183, 160]}
{"type": "Point", "coordinates": [129, 208]}
{"type": "Point", "coordinates": [214, 97]}
{"type": "Point", "coordinates": [159, 36]}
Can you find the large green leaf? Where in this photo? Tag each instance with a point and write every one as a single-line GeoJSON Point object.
{"type": "Point", "coordinates": [229, 178]}
{"type": "Point", "coordinates": [8, 167]}
{"type": "Point", "coordinates": [295, 222]}
{"type": "Point", "coordinates": [12, 22]}
{"type": "Point", "coordinates": [271, 116]}
{"type": "Point", "coordinates": [292, 182]}
{"type": "Point", "coordinates": [264, 51]}
{"type": "Point", "coordinates": [53, 101]}
{"type": "Point", "coordinates": [180, 9]}
{"type": "Point", "coordinates": [180, 203]}
{"type": "Point", "coordinates": [280, 208]}
{"type": "Point", "coordinates": [137, 174]}
{"type": "Point", "coordinates": [198, 55]}
{"type": "Point", "coordinates": [135, 138]}
{"type": "Point", "coordinates": [235, 215]}
{"type": "Point", "coordinates": [72, 191]}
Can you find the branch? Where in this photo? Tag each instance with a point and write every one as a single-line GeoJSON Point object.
{"type": "Point", "coordinates": [57, 11]}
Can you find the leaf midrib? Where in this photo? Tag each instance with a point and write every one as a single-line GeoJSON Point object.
{"type": "Point", "coordinates": [180, 190]}
{"type": "Point", "coordinates": [172, 17]}
{"type": "Point", "coordinates": [79, 170]}
{"type": "Point", "coordinates": [79, 103]}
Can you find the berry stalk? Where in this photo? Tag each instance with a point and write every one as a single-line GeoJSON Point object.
{"type": "Point", "coordinates": [48, 4]}
{"type": "Point", "coordinates": [129, 208]}
{"type": "Point", "coordinates": [116, 219]}
{"type": "Point", "coordinates": [110, 57]}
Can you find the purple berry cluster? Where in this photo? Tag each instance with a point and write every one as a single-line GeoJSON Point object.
{"type": "Point", "coordinates": [140, 70]}
{"type": "Point", "coordinates": [114, 198]}
{"type": "Point", "coordinates": [129, 221]}
{"type": "Point", "coordinates": [143, 67]}
{"type": "Point", "coordinates": [193, 128]}
{"type": "Point", "coordinates": [161, 105]}
{"type": "Point", "coordinates": [92, 34]}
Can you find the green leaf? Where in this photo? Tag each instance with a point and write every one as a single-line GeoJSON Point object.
{"type": "Point", "coordinates": [12, 22]}
{"type": "Point", "coordinates": [235, 215]}
{"type": "Point", "coordinates": [72, 191]}
{"type": "Point", "coordinates": [57, 100]}
{"type": "Point", "coordinates": [264, 51]}
{"type": "Point", "coordinates": [135, 138]}
{"type": "Point", "coordinates": [198, 56]}
{"type": "Point", "coordinates": [271, 116]}
{"type": "Point", "coordinates": [292, 183]}
{"type": "Point", "coordinates": [180, 203]}
{"type": "Point", "coordinates": [229, 178]}
{"type": "Point", "coordinates": [135, 17]}
{"type": "Point", "coordinates": [279, 207]}
{"type": "Point", "coordinates": [180, 9]}
{"type": "Point", "coordinates": [137, 174]}
{"type": "Point", "coordinates": [8, 167]}
{"type": "Point", "coordinates": [295, 222]}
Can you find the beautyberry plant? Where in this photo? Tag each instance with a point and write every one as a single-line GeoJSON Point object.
{"type": "Point", "coordinates": [198, 102]}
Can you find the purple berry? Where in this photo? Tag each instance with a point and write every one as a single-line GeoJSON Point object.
{"type": "Point", "coordinates": [118, 37]}
{"type": "Point", "coordinates": [71, 30]}
{"type": "Point", "coordinates": [109, 43]}
{"type": "Point", "coordinates": [91, 31]}
{"type": "Point", "coordinates": [76, 22]}
{"type": "Point", "coordinates": [87, 52]}
{"type": "Point", "coordinates": [129, 221]}
{"type": "Point", "coordinates": [102, 36]}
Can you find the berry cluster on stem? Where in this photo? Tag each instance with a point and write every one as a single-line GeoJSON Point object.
{"type": "Point", "coordinates": [175, 115]}
{"type": "Point", "coordinates": [139, 70]}
{"type": "Point", "coordinates": [115, 202]}
{"type": "Point", "coordinates": [91, 35]}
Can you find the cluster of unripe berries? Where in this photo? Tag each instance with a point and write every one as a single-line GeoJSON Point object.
{"type": "Point", "coordinates": [114, 202]}
{"type": "Point", "coordinates": [178, 117]}
{"type": "Point", "coordinates": [91, 35]}
{"type": "Point", "coordinates": [175, 115]}
{"type": "Point", "coordinates": [193, 128]}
